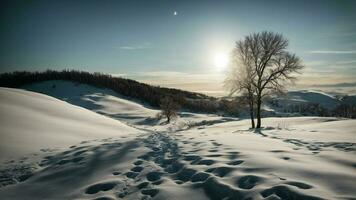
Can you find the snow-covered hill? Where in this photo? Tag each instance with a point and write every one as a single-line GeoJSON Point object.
{"type": "Point", "coordinates": [211, 158]}
{"type": "Point", "coordinates": [109, 103]}
{"type": "Point", "coordinates": [31, 122]}
{"type": "Point", "coordinates": [34, 126]}
{"type": "Point", "coordinates": [100, 100]}
{"type": "Point", "coordinates": [306, 102]}
{"type": "Point", "coordinates": [349, 100]}
{"type": "Point", "coordinates": [306, 96]}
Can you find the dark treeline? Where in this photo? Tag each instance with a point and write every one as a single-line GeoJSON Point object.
{"type": "Point", "coordinates": [149, 94]}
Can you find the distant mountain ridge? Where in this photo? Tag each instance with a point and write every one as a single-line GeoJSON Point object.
{"type": "Point", "coordinates": [325, 100]}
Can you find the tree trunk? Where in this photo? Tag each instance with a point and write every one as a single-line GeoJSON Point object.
{"type": "Point", "coordinates": [251, 112]}
{"type": "Point", "coordinates": [252, 120]}
{"type": "Point", "coordinates": [258, 114]}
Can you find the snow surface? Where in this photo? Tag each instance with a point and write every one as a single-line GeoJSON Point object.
{"type": "Point", "coordinates": [196, 157]}
{"type": "Point", "coordinates": [31, 121]}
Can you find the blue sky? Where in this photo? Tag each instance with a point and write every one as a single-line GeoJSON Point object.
{"type": "Point", "coordinates": [144, 40]}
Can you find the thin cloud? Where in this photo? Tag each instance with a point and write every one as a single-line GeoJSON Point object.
{"type": "Point", "coordinates": [352, 84]}
{"type": "Point", "coordinates": [135, 47]}
{"type": "Point", "coordinates": [332, 52]}
{"type": "Point", "coordinates": [132, 47]}
{"type": "Point", "coordinates": [119, 75]}
{"type": "Point", "coordinates": [346, 62]}
{"type": "Point", "coordinates": [162, 74]}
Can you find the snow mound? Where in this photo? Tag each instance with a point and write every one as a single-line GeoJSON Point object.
{"type": "Point", "coordinates": [31, 122]}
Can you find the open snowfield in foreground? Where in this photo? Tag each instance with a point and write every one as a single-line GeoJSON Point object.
{"type": "Point", "coordinates": [55, 150]}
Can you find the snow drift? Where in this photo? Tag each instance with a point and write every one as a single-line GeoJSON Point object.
{"type": "Point", "coordinates": [31, 122]}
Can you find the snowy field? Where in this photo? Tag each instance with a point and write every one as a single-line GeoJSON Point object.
{"type": "Point", "coordinates": [102, 146]}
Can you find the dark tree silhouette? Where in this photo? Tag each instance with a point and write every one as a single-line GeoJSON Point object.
{"type": "Point", "coordinates": [169, 108]}
{"type": "Point", "coordinates": [267, 67]}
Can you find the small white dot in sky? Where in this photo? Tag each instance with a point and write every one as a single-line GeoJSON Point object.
{"type": "Point", "coordinates": [175, 13]}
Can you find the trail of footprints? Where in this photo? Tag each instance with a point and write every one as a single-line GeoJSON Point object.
{"type": "Point", "coordinates": [167, 161]}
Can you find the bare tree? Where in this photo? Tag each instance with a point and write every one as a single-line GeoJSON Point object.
{"type": "Point", "coordinates": [169, 108]}
{"type": "Point", "coordinates": [268, 63]}
{"type": "Point", "coordinates": [239, 80]}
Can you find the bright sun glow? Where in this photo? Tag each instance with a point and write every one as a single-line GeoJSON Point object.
{"type": "Point", "coordinates": [221, 60]}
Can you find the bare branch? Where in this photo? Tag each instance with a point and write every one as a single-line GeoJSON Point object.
{"type": "Point", "coordinates": [261, 66]}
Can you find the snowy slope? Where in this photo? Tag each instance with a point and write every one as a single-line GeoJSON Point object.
{"type": "Point", "coordinates": [321, 98]}
{"type": "Point", "coordinates": [301, 99]}
{"type": "Point", "coordinates": [30, 122]}
{"type": "Point", "coordinates": [100, 100]}
{"type": "Point", "coordinates": [62, 144]}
